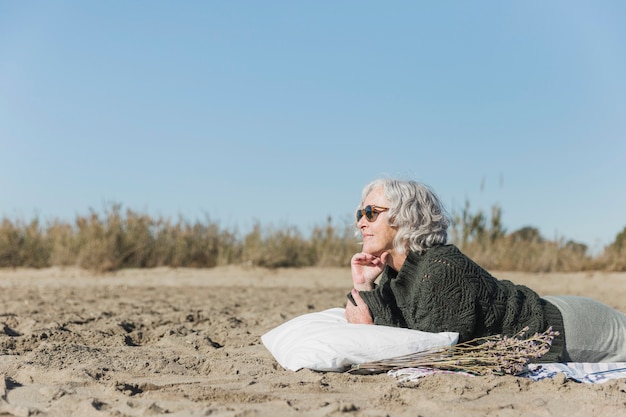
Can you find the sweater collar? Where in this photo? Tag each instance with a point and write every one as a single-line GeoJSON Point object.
{"type": "Point", "coordinates": [408, 267]}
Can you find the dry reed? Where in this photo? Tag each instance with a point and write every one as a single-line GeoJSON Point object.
{"type": "Point", "coordinates": [119, 238]}
{"type": "Point", "coordinates": [488, 355]}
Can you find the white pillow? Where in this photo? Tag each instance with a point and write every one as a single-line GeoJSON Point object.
{"type": "Point", "coordinates": [325, 341]}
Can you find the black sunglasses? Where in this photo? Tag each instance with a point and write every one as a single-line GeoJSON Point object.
{"type": "Point", "coordinates": [370, 212]}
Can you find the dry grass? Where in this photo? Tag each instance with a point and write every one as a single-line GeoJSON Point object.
{"type": "Point", "coordinates": [120, 239]}
{"type": "Point", "coordinates": [126, 239]}
{"type": "Point", "coordinates": [485, 240]}
{"type": "Point", "coordinates": [489, 355]}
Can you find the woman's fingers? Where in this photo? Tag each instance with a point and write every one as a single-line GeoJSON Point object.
{"type": "Point", "coordinates": [357, 298]}
{"type": "Point", "coordinates": [366, 259]}
{"type": "Point", "coordinates": [359, 314]}
{"type": "Point", "coordinates": [365, 270]}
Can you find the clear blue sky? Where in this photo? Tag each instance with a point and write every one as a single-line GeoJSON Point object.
{"type": "Point", "coordinates": [281, 111]}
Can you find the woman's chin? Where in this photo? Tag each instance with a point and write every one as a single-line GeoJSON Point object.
{"type": "Point", "coordinates": [375, 252]}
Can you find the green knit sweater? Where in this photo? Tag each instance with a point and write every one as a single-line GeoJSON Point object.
{"type": "Point", "coordinates": [441, 289]}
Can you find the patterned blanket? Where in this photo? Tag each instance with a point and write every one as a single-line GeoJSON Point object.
{"type": "Point", "coordinates": [581, 372]}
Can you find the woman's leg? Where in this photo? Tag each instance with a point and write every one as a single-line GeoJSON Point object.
{"type": "Point", "coordinates": [594, 332]}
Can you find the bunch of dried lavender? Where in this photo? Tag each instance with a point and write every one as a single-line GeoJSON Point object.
{"type": "Point", "coordinates": [496, 354]}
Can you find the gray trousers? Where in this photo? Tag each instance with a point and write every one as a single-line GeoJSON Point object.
{"type": "Point", "coordinates": [594, 332]}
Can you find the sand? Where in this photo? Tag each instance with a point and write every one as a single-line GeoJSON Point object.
{"type": "Point", "coordinates": [187, 343]}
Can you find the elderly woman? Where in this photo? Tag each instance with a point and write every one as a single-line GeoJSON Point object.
{"type": "Point", "coordinates": [428, 285]}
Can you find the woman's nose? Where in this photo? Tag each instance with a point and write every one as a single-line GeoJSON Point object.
{"type": "Point", "coordinates": [361, 222]}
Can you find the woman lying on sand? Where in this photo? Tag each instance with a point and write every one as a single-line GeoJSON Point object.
{"type": "Point", "coordinates": [430, 286]}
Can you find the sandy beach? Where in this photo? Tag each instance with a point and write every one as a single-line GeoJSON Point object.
{"type": "Point", "coordinates": [186, 342]}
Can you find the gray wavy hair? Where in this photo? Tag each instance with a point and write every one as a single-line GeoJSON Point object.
{"type": "Point", "coordinates": [415, 211]}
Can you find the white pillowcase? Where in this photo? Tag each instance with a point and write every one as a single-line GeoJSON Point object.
{"type": "Point", "coordinates": [325, 341]}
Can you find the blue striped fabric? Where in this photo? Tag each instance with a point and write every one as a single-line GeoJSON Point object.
{"type": "Point", "coordinates": [592, 373]}
{"type": "Point", "coordinates": [582, 372]}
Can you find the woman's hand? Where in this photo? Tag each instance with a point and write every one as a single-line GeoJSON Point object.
{"type": "Point", "coordinates": [366, 268]}
{"type": "Point", "coordinates": [359, 313]}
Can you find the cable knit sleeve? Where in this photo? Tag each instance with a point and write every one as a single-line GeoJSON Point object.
{"type": "Point", "coordinates": [445, 302]}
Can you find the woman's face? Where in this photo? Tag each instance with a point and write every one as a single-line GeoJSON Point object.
{"type": "Point", "coordinates": [377, 235]}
